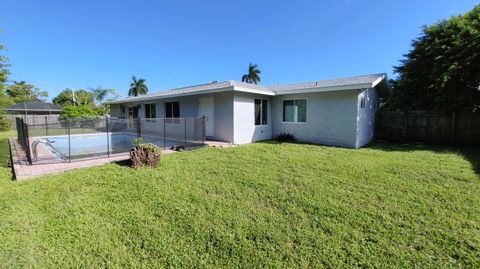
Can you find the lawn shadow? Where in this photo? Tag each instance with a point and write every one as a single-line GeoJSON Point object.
{"type": "Point", "coordinates": [5, 152]}
{"type": "Point", "coordinates": [124, 163]}
{"type": "Point", "coordinates": [471, 154]}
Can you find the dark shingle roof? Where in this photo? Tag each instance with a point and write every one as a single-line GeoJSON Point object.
{"type": "Point", "coordinates": [34, 106]}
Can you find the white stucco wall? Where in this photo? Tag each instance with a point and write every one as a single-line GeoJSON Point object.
{"type": "Point", "coordinates": [331, 118]}
{"type": "Point", "coordinates": [366, 117]}
{"type": "Point", "coordinates": [245, 130]}
{"type": "Point", "coordinates": [223, 116]}
{"type": "Point", "coordinates": [189, 107]}
{"type": "Point", "coordinates": [115, 111]}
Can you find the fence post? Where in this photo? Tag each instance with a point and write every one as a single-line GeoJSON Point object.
{"type": "Point", "coordinates": [204, 129]}
{"type": "Point", "coordinates": [27, 142]}
{"type": "Point", "coordinates": [108, 137]}
{"type": "Point", "coordinates": [185, 135]}
{"type": "Point", "coordinates": [453, 128]}
{"type": "Point", "coordinates": [69, 146]}
{"type": "Point", "coordinates": [139, 130]}
{"type": "Point", "coordinates": [164, 134]}
{"type": "Point", "coordinates": [46, 126]}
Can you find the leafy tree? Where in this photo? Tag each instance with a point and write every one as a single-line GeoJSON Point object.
{"type": "Point", "coordinates": [71, 97]}
{"type": "Point", "coordinates": [442, 69]}
{"type": "Point", "coordinates": [71, 111]}
{"type": "Point", "coordinates": [24, 92]}
{"type": "Point", "coordinates": [253, 75]}
{"type": "Point", "coordinates": [4, 99]}
{"type": "Point", "coordinates": [137, 87]}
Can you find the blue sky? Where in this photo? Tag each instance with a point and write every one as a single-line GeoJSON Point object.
{"type": "Point", "coordinates": [80, 44]}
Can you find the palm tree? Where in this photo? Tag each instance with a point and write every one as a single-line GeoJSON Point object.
{"type": "Point", "coordinates": [100, 94]}
{"type": "Point", "coordinates": [137, 87]}
{"type": "Point", "coordinates": [253, 75]}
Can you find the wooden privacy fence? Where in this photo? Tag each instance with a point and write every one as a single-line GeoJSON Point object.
{"type": "Point", "coordinates": [462, 129]}
{"type": "Point", "coordinates": [33, 119]}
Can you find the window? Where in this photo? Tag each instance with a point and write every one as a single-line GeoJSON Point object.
{"type": "Point", "coordinates": [150, 112]}
{"type": "Point", "coordinates": [362, 102]}
{"type": "Point", "coordinates": [122, 112]}
{"type": "Point", "coordinates": [295, 110]}
{"type": "Point", "coordinates": [261, 112]}
{"type": "Point", "coordinates": [172, 110]}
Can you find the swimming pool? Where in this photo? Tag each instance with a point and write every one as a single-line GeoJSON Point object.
{"type": "Point", "coordinates": [98, 144]}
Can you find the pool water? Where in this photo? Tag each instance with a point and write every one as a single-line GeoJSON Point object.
{"type": "Point", "coordinates": [98, 144]}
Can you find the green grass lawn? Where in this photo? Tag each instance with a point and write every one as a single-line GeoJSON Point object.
{"type": "Point", "coordinates": [265, 204]}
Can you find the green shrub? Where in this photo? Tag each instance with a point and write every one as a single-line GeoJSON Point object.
{"type": "Point", "coordinates": [5, 124]}
{"type": "Point", "coordinates": [285, 137]}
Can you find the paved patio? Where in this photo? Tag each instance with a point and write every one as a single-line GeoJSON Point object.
{"type": "Point", "coordinates": [47, 164]}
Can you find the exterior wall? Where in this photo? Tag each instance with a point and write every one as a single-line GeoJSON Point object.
{"type": "Point", "coordinates": [223, 116]}
{"type": "Point", "coordinates": [366, 117]}
{"type": "Point", "coordinates": [189, 107]}
{"type": "Point", "coordinates": [331, 118]}
{"type": "Point", "coordinates": [245, 130]}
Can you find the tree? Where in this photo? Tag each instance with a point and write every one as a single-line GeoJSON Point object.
{"type": "Point", "coordinates": [100, 95]}
{"type": "Point", "coordinates": [137, 87]}
{"type": "Point", "coordinates": [253, 75]}
{"type": "Point", "coordinates": [24, 92]}
{"type": "Point", "coordinates": [4, 99]}
{"type": "Point", "coordinates": [71, 111]}
{"type": "Point", "coordinates": [72, 97]}
{"type": "Point", "coordinates": [442, 70]}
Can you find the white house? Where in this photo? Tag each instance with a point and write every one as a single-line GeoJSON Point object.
{"type": "Point", "coordinates": [338, 112]}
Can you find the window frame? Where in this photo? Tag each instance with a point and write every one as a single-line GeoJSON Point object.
{"type": "Point", "coordinates": [306, 111]}
{"type": "Point", "coordinates": [148, 118]}
{"type": "Point", "coordinates": [122, 109]}
{"type": "Point", "coordinates": [363, 102]}
{"type": "Point", "coordinates": [261, 112]}
{"type": "Point", "coordinates": [172, 119]}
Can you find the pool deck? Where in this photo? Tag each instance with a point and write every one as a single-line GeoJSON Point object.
{"type": "Point", "coordinates": [49, 164]}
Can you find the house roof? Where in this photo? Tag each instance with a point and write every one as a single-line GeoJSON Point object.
{"type": "Point", "coordinates": [199, 89]}
{"type": "Point", "coordinates": [350, 83]}
{"type": "Point", "coordinates": [34, 106]}
{"type": "Point", "coordinates": [357, 82]}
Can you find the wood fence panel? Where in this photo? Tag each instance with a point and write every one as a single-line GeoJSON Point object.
{"type": "Point", "coordinates": [429, 127]}
{"type": "Point", "coordinates": [34, 119]}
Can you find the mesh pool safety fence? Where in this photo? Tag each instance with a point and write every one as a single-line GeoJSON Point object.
{"type": "Point", "coordinates": [80, 138]}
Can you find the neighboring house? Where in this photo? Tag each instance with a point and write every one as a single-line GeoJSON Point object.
{"type": "Point", "coordinates": [33, 108]}
{"type": "Point", "coordinates": [338, 112]}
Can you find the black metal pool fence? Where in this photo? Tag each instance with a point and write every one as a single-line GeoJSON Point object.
{"type": "Point", "coordinates": [78, 138]}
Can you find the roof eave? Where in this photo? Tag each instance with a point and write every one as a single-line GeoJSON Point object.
{"type": "Point", "coordinates": [159, 97]}
{"type": "Point", "coordinates": [328, 89]}
{"type": "Point", "coordinates": [250, 90]}
{"type": "Point", "coordinates": [382, 85]}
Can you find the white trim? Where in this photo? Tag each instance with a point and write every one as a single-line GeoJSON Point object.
{"type": "Point", "coordinates": [327, 89]}
{"type": "Point", "coordinates": [306, 112]}
{"type": "Point", "coordinates": [247, 90]}
{"type": "Point", "coordinates": [261, 111]}
{"type": "Point", "coordinates": [380, 79]}
{"type": "Point", "coordinates": [156, 97]}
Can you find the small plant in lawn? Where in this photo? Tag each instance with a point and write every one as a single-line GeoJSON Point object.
{"type": "Point", "coordinates": [285, 137]}
{"type": "Point", "coordinates": [145, 155]}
